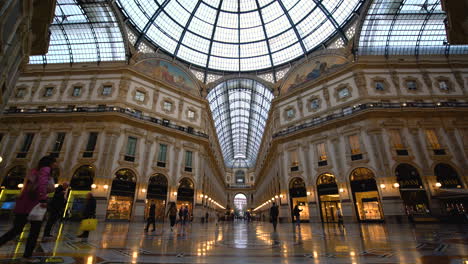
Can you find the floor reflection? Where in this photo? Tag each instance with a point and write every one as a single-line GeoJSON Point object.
{"type": "Point", "coordinates": [242, 242]}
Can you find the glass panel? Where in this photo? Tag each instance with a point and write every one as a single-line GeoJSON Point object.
{"type": "Point", "coordinates": [354, 144]}
{"type": "Point", "coordinates": [432, 139]}
{"type": "Point", "coordinates": [162, 152]}
{"type": "Point", "coordinates": [228, 35]}
{"type": "Point", "coordinates": [92, 139]}
{"type": "Point", "coordinates": [86, 32]}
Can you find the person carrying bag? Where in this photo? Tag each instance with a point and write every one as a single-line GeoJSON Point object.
{"type": "Point", "coordinates": [89, 222]}
{"type": "Point", "coordinates": [31, 205]}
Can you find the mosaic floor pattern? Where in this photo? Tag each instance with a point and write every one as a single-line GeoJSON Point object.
{"type": "Point", "coordinates": [247, 243]}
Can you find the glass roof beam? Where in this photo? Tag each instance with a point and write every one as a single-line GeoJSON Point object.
{"type": "Point", "coordinates": [212, 37]}
{"type": "Point", "coordinates": [293, 26]}
{"type": "Point", "coordinates": [186, 27]}
{"type": "Point", "coordinates": [266, 38]}
{"type": "Point", "coordinates": [423, 27]}
{"type": "Point", "coordinates": [330, 17]}
{"type": "Point", "coordinates": [392, 26]}
{"type": "Point", "coordinates": [93, 32]}
{"type": "Point", "coordinates": [151, 21]}
{"type": "Point", "coordinates": [67, 40]}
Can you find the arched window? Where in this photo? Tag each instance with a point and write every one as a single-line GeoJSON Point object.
{"type": "Point", "coordinates": [240, 204]}
{"type": "Point", "coordinates": [83, 178]}
{"type": "Point", "coordinates": [14, 177]}
{"type": "Point", "coordinates": [447, 176]}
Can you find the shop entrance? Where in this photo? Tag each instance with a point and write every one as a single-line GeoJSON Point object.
{"type": "Point", "coordinates": [11, 188]}
{"type": "Point", "coordinates": [454, 204]}
{"type": "Point", "coordinates": [365, 195]}
{"type": "Point", "coordinates": [329, 197]}
{"type": "Point", "coordinates": [298, 196]}
{"type": "Point", "coordinates": [411, 190]}
{"type": "Point", "coordinates": [121, 196]}
{"type": "Point", "coordinates": [157, 195]}
{"type": "Point", "coordinates": [185, 194]}
{"type": "Point", "coordinates": [80, 185]}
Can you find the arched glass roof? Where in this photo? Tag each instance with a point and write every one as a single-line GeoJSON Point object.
{"type": "Point", "coordinates": [83, 31]}
{"type": "Point", "coordinates": [238, 35]}
{"type": "Point", "coordinates": [406, 27]}
{"type": "Point", "coordinates": [240, 111]}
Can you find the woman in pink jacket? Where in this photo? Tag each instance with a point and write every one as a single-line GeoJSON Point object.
{"type": "Point", "coordinates": [36, 186]}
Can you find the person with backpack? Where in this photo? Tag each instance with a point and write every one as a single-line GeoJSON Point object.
{"type": "Point", "coordinates": [274, 212]}
{"type": "Point", "coordinates": [34, 193]}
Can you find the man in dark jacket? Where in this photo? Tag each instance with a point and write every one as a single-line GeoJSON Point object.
{"type": "Point", "coordinates": [274, 212]}
{"type": "Point", "coordinates": [55, 208]}
{"type": "Point", "coordinates": [89, 211]}
{"type": "Point", "coordinates": [151, 218]}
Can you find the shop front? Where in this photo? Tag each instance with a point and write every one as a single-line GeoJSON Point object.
{"type": "Point", "coordinates": [11, 188]}
{"type": "Point", "coordinates": [80, 186]}
{"type": "Point", "coordinates": [122, 195]}
{"type": "Point", "coordinates": [412, 191]}
{"type": "Point", "coordinates": [298, 196]}
{"type": "Point", "coordinates": [329, 198]}
{"type": "Point", "coordinates": [454, 206]}
{"type": "Point", "coordinates": [157, 194]}
{"type": "Point", "coordinates": [185, 195]}
{"type": "Point", "coordinates": [365, 195]}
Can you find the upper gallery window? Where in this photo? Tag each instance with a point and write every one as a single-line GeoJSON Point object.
{"type": "Point", "coordinates": [342, 93]}
{"type": "Point", "coordinates": [167, 106]}
{"type": "Point", "coordinates": [443, 85]}
{"type": "Point", "coordinates": [321, 151]}
{"type": "Point", "coordinates": [314, 104]}
{"type": "Point", "coordinates": [21, 92]}
{"type": "Point", "coordinates": [191, 114]}
{"type": "Point", "coordinates": [76, 91]}
{"type": "Point", "coordinates": [290, 113]}
{"type": "Point", "coordinates": [140, 96]}
{"type": "Point", "coordinates": [379, 86]}
{"type": "Point", "coordinates": [354, 144]}
{"type": "Point", "coordinates": [48, 91]}
{"type": "Point", "coordinates": [411, 85]}
{"type": "Point", "coordinates": [107, 90]}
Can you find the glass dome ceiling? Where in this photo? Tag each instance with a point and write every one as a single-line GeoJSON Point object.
{"type": "Point", "coordinates": [238, 35]}
{"type": "Point", "coordinates": [240, 110]}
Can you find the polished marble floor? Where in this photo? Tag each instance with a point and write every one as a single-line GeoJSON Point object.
{"type": "Point", "coordinates": [247, 243]}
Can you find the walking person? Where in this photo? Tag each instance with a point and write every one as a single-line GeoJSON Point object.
{"type": "Point", "coordinates": [172, 213]}
{"type": "Point", "coordinates": [185, 215]}
{"type": "Point", "coordinates": [151, 220]}
{"type": "Point", "coordinates": [89, 212]}
{"type": "Point", "coordinates": [36, 186]}
{"type": "Point", "coordinates": [297, 214]}
{"type": "Point", "coordinates": [55, 208]}
{"type": "Point", "coordinates": [207, 216]}
{"type": "Point", "coordinates": [274, 212]}
{"type": "Point", "coordinates": [340, 217]}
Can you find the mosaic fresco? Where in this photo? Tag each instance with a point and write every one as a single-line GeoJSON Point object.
{"type": "Point", "coordinates": [311, 70]}
{"type": "Point", "coordinates": [167, 72]}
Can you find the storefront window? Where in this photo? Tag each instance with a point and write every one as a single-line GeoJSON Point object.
{"type": "Point", "coordinates": [122, 195]}
{"type": "Point", "coordinates": [365, 194]}
{"type": "Point", "coordinates": [329, 198]}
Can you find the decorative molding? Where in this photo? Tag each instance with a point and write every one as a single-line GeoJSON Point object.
{"type": "Point", "coordinates": [285, 113]}
{"type": "Point", "coordinates": [173, 107]}
{"type": "Point", "coordinates": [309, 103]}
{"type": "Point", "coordinates": [101, 90]}
{"type": "Point", "coordinates": [340, 88]}
{"type": "Point", "coordinates": [386, 85]}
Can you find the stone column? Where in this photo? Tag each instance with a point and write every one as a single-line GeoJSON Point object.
{"type": "Point", "coordinates": [40, 147]}
{"type": "Point", "coordinates": [73, 148]}
{"type": "Point", "coordinates": [10, 149]}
